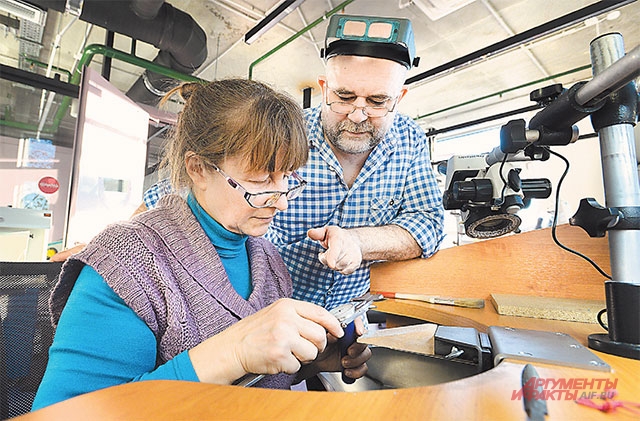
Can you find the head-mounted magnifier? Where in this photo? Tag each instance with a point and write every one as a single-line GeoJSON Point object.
{"type": "Point", "coordinates": [371, 36]}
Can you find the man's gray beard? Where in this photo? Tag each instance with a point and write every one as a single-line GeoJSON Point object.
{"type": "Point", "coordinates": [334, 136]}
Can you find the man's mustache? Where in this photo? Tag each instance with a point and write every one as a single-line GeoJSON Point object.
{"type": "Point", "coordinates": [350, 126]}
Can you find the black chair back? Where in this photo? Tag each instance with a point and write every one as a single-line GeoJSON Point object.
{"type": "Point", "coordinates": [26, 332]}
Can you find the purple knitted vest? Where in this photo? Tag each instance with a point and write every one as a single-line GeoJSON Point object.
{"type": "Point", "coordinates": [163, 265]}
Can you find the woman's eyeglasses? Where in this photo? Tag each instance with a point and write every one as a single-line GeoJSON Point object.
{"type": "Point", "coordinates": [267, 198]}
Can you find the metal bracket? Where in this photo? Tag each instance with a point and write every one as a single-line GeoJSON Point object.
{"type": "Point", "coordinates": [542, 347]}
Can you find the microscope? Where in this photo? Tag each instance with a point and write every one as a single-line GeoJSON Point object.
{"type": "Point", "coordinates": [488, 190]}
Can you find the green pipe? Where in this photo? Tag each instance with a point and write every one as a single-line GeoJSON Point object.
{"type": "Point", "coordinates": [577, 69]}
{"type": "Point", "coordinates": [298, 34]}
{"type": "Point", "coordinates": [94, 49]}
{"type": "Point", "coordinates": [45, 65]}
{"type": "Point", "coordinates": [20, 125]}
{"type": "Point", "coordinates": [74, 79]}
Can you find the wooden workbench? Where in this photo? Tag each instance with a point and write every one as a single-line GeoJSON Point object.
{"type": "Point", "coordinates": [506, 265]}
{"type": "Point", "coordinates": [529, 264]}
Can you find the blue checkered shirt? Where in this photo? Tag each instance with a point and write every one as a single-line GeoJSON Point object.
{"type": "Point", "coordinates": [396, 186]}
{"type": "Point", "coordinates": [156, 191]}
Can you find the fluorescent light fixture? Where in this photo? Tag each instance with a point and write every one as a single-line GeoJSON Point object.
{"type": "Point", "coordinates": [272, 18]}
{"type": "Point", "coordinates": [74, 7]}
{"type": "Point", "coordinates": [24, 10]}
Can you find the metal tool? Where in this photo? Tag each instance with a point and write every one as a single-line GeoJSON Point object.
{"type": "Point", "coordinates": [534, 405]}
{"type": "Point", "coordinates": [248, 380]}
{"type": "Point", "coordinates": [346, 314]}
{"type": "Point", "coordinates": [369, 297]}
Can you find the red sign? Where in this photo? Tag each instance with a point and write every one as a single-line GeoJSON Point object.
{"type": "Point", "coordinates": [48, 185]}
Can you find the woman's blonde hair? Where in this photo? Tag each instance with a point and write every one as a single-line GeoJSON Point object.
{"type": "Point", "coordinates": [236, 118]}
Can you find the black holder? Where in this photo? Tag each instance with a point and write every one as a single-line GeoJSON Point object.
{"type": "Point", "coordinates": [623, 321]}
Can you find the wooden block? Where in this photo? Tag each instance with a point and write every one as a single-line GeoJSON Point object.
{"type": "Point", "coordinates": [416, 338]}
{"type": "Point", "coordinates": [568, 309]}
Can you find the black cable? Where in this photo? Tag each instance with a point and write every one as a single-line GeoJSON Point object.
{"type": "Point", "coordinates": [555, 219]}
{"type": "Point", "coordinates": [599, 318]}
{"type": "Point", "coordinates": [504, 181]}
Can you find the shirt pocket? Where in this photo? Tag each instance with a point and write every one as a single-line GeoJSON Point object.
{"type": "Point", "coordinates": [383, 210]}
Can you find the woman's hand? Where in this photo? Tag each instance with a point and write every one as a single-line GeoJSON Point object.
{"type": "Point", "coordinates": [277, 339]}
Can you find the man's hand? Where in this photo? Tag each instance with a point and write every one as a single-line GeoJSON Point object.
{"type": "Point", "coordinates": [343, 251]}
{"type": "Point", "coordinates": [347, 248]}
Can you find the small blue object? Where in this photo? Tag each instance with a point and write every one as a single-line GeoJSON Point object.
{"type": "Point", "coordinates": [346, 315]}
{"type": "Point", "coordinates": [344, 343]}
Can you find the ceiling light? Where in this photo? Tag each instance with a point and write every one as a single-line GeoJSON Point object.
{"type": "Point", "coordinates": [613, 15]}
{"type": "Point", "coordinates": [436, 9]}
{"type": "Point", "coordinates": [74, 7]}
{"type": "Point", "coordinates": [592, 21]}
{"type": "Point", "coordinates": [272, 18]}
{"type": "Point", "coordinates": [23, 10]}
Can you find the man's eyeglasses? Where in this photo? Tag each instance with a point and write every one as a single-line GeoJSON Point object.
{"type": "Point", "coordinates": [346, 108]}
{"type": "Point", "coordinates": [267, 198]}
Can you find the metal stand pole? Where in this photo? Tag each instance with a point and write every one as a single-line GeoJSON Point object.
{"type": "Point", "coordinates": [614, 123]}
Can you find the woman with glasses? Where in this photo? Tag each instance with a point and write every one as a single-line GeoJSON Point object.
{"type": "Point", "coordinates": [189, 290]}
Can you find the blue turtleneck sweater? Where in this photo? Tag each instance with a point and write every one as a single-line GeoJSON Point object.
{"type": "Point", "coordinates": [87, 358]}
{"type": "Point", "coordinates": [231, 248]}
